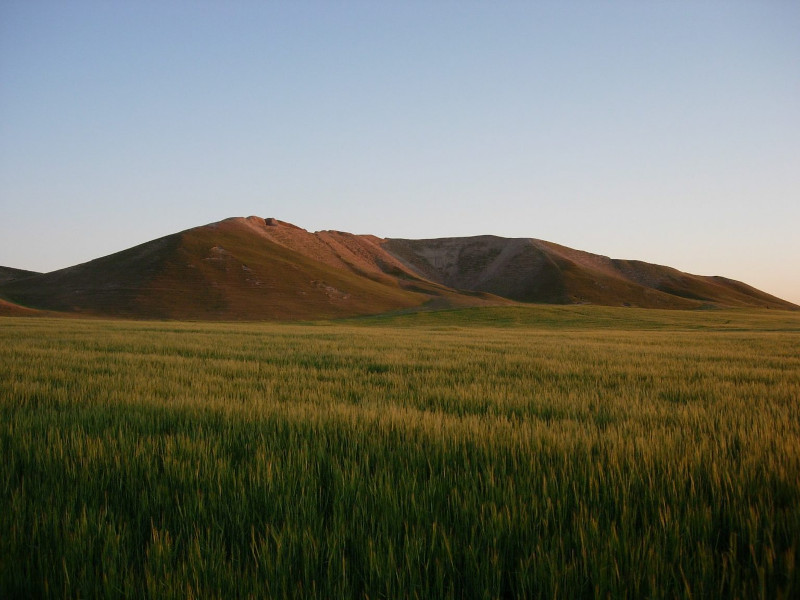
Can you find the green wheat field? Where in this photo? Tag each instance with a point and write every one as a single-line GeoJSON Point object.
{"type": "Point", "coordinates": [518, 452]}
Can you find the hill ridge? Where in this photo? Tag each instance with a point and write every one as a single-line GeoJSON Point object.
{"type": "Point", "coordinates": [257, 268]}
{"type": "Point", "coordinates": [534, 270]}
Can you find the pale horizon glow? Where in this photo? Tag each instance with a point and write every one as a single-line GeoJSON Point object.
{"type": "Point", "coordinates": [667, 132]}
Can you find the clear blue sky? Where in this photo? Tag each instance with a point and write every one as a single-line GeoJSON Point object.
{"type": "Point", "coordinates": [661, 131]}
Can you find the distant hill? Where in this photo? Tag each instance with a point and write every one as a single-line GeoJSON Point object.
{"type": "Point", "coordinates": [239, 269]}
{"type": "Point", "coordinates": [8, 274]}
{"type": "Point", "coordinates": [530, 270]}
{"type": "Point", "coordinates": [253, 268]}
{"type": "Point", "coordinates": [10, 309]}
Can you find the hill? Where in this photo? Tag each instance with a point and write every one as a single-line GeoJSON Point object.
{"type": "Point", "coordinates": [530, 270]}
{"type": "Point", "coordinates": [239, 269]}
{"type": "Point", "coordinates": [253, 268]}
{"type": "Point", "coordinates": [9, 274]}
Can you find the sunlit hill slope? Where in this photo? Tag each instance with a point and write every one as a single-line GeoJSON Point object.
{"type": "Point", "coordinates": [239, 268]}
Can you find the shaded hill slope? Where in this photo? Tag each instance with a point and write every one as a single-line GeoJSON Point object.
{"type": "Point", "coordinates": [10, 274]}
{"type": "Point", "coordinates": [530, 270]}
{"type": "Point", "coordinates": [9, 309]}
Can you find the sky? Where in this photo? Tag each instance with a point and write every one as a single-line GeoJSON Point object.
{"type": "Point", "coordinates": [661, 131]}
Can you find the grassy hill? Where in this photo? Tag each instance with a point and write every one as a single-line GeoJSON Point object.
{"type": "Point", "coordinates": [238, 269]}
{"type": "Point", "coordinates": [10, 274]}
{"type": "Point", "coordinates": [530, 270]}
{"type": "Point", "coordinates": [266, 269]}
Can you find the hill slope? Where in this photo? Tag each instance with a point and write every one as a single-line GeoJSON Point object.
{"type": "Point", "coordinates": [531, 270]}
{"type": "Point", "coordinates": [10, 274]}
{"type": "Point", "coordinates": [253, 268]}
{"type": "Point", "coordinates": [238, 269]}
